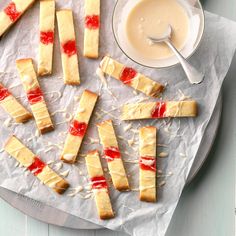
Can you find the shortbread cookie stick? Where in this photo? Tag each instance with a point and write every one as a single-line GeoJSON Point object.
{"type": "Point", "coordinates": [9, 103]}
{"type": "Point", "coordinates": [12, 12]}
{"type": "Point", "coordinates": [147, 164]}
{"type": "Point", "coordinates": [46, 28]}
{"type": "Point", "coordinates": [69, 56]}
{"type": "Point", "coordinates": [35, 165]}
{"type": "Point", "coordinates": [99, 185]}
{"type": "Point", "coordinates": [79, 126]}
{"type": "Point", "coordinates": [131, 77]}
{"type": "Point", "coordinates": [35, 96]}
{"type": "Point", "coordinates": [156, 110]}
{"type": "Point", "coordinates": [92, 25]}
{"type": "Point", "coordinates": [113, 155]}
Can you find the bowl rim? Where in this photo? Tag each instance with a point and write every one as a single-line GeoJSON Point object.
{"type": "Point", "coordinates": [158, 67]}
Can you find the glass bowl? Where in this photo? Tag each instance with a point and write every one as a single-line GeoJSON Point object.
{"type": "Point", "coordinates": [196, 28]}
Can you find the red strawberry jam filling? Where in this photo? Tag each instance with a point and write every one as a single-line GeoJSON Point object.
{"type": "Point", "coordinates": [46, 37]}
{"type": "Point", "coordinates": [12, 12]}
{"type": "Point", "coordinates": [3, 93]}
{"type": "Point", "coordinates": [35, 96]}
{"type": "Point", "coordinates": [69, 48]}
{"type": "Point", "coordinates": [98, 182]}
{"type": "Point", "coordinates": [147, 163]}
{"type": "Point", "coordinates": [111, 153]}
{"type": "Point", "coordinates": [127, 75]}
{"type": "Point", "coordinates": [37, 166]}
{"type": "Point", "coordinates": [159, 110]}
{"type": "Point", "coordinates": [78, 128]}
{"type": "Point", "coordinates": [92, 22]}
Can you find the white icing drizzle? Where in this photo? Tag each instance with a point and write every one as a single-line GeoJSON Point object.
{"type": "Point", "coordinates": [8, 122]}
{"type": "Point", "coordinates": [54, 145]}
{"type": "Point", "coordinates": [163, 154]}
{"type": "Point", "coordinates": [165, 175]}
{"type": "Point", "coordinates": [162, 183]}
{"type": "Point", "coordinates": [14, 85]}
{"type": "Point", "coordinates": [50, 162]}
{"type": "Point", "coordinates": [37, 133]}
{"type": "Point", "coordinates": [131, 141]}
{"type": "Point", "coordinates": [127, 127]}
{"type": "Point", "coordinates": [16, 164]}
{"type": "Point", "coordinates": [1, 150]}
{"type": "Point", "coordinates": [147, 162]}
{"type": "Point", "coordinates": [30, 139]}
{"type": "Point", "coordinates": [49, 149]}
{"type": "Point", "coordinates": [52, 95]}
{"type": "Point", "coordinates": [134, 189]}
{"type": "Point", "coordinates": [68, 116]}
{"type": "Point", "coordinates": [76, 98]}
{"type": "Point", "coordinates": [108, 113]}
{"type": "Point", "coordinates": [86, 196]}
{"type": "Point", "coordinates": [81, 110]}
{"type": "Point", "coordinates": [99, 190]}
{"type": "Point", "coordinates": [93, 140]}
{"type": "Point", "coordinates": [58, 111]}
{"type": "Point", "coordinates": [182, 95]}
{"type": "Point", "coordinates": [183, 155]}
{"type": "Point", "coordinates": [58, 166]}
{"type": "Point", "coordinates": [101, 76]}
{"type": "Point", "coordinates": [65, 173]}
{"type": "Point", "coordinates": [88, 187]}
{"type": "Point", "coordinates": [75, 191]}
{"type": "Point", "coordinates": [147, 187]}
{"type": "Point", "coordinates": [69, 156]}
{"type": "Point", "coordinates": [131, 209]}
{"type": "Point", "coordinates": [132, 161]}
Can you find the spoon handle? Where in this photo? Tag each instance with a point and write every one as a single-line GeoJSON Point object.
{"type": "Point", "coordinates": [194, 76]}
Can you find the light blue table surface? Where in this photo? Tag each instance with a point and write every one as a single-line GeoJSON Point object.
{"type": "Point", "coordinates": [206, 206]}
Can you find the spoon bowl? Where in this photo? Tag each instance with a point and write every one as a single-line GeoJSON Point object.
{"type": "Point", "coordinates": [193, 75]}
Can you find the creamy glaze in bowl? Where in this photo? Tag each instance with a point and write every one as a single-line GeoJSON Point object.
{"type": "Point", "coordinates": [121, 17]}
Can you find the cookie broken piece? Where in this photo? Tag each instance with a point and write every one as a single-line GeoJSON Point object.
{"type": "Point", "coordinates": [9, 103]}
{"type": "Point", "coordinates": [112, 155]}
{"type": "Point", "coordinates": [92, 25]}
{"type": "Point", "coordinates": [69, 56]}
{"type": "Point", "coordinates": [131, 77]}
{"type": "Point", "coordinates": [147, 164]}
{"type": "Point", "coordinates": [34, 94]}
{"type": "Point", "coordinates": [99, 185]}
{"type": "Point", "coordinates": [156, 110]}
{"type": "Point", "coordinates": [12, 12]}
{"type": "Point", "coordinates": [46, 28]}
{"type": "Point", "coordinates": [78, 126]}
{"type": "Point", "coordinates": [35, 165]}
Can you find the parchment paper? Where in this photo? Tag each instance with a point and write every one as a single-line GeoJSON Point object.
{"type": "Point", "coordinates": [182, 136]}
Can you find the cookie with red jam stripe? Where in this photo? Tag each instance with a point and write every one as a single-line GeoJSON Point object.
{"type": "Point", "coordinates": [34, 94]}
{"type": "Point", "coordinates": [99, 185]}
{"type": "Point", "coordinates": [92, 25]}
{"type": "Point", "coordinates": [112, 155]}
{"type": "Point", "coordinates": [129, 76]}
{"type": "Point", "coordinates": [9, 103]}
{"type": "Point", "coordinates": [78, 126]}
{"type": "Point", "coordinates": [69, 56]}
{"type": "Point", "coordinates": [147, 164]}
{"type": "Point", "coordinates": [35, 165]}
{"type": "Point", "coordinates": [46, 35]}
{"type": "Point", "coordinates": [158, 110]}
{"type": "Point", "coordinates": [12, 12]}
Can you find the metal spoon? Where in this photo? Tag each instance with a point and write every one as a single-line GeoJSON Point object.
{"type": "Point", "coordinates": [194, 76]}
